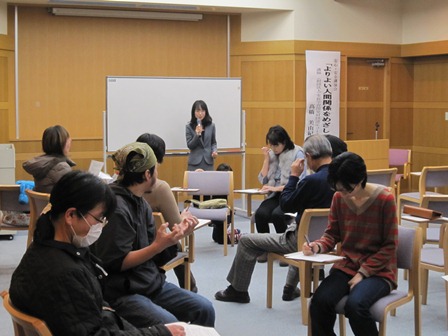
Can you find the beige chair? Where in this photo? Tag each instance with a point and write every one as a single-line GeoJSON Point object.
{"type": "Point", "coordinates": [213, 183]}
{"type": "Point", "coordinates": [38, 201]}
{"type": "Point", "coordinates": [185, 256]}
{"type": "Point", "coordinates": [313, 224]}
{"type": "Point", "coordinates": [401, 159]}
{"type": "Point", "coordinates": [384, 177]}
{"type": "Point", "coordinates": [24, 324]}
{"type": "Point", "coordinates": [433, 230]}
{"type": "Point", "coordinates": [435, 259]}
{"type": "Point", "coordinates": [430, 178]}
{"type": "Point", "coordinates": [408, 258]}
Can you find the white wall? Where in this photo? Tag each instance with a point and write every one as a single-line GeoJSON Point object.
{"type": "Point", "coordinates": [424, 21]}
{"type": "Point", "coordinates": [372, 21]}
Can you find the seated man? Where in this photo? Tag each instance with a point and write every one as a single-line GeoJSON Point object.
{"type": "Point", "coordinates": [136, 288]}
{"type": "Point", "coordinates": [161, 199]}
{"type": "Point", "coordinates": [288, 202]}
{"type": "Point", "coordinates": [313, 191]}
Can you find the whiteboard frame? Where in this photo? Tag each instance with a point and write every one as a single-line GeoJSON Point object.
{"type": "Point", "coordinates": [222, 94]}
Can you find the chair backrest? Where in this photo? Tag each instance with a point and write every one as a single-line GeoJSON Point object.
{"type": "Point", "coordinates": [399, 158]}
{"type": "Point", "coordinates": [211, 183]}
{"type": "Point", "coordinates": [384, 177]}
{"type": "Point", "coordinates": [313, 224]}
{"type": "Point", "coordinates": [408, 249]}
{"type": "Point", "coordinates": [437, 203]}
{"type": "Point", "coordinates": [158, 219]}
{"type": "Point", "coordinates": [24, 324]}
{"type": "Point", "coordinates": [433, 177]}
{"type": "Point", "coordinates": [38, 201]}
{"type": "Point", "coordinates": [9, 198]}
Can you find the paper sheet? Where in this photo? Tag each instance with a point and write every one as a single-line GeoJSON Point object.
{"type": "Point", "coordinates": [95, 167]}
{"type": "Point", "coordinates": [197, 330]}
{"type": "Point", "coordinates": [255, 191]}
{"type": "Point", "coordinates": [314, 258]}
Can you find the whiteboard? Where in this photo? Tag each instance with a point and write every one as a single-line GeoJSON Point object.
{"type": "Point", "coordinates": [162, 106]}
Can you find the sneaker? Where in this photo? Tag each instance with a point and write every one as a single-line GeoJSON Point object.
{"type": "Point", "coordinates": [236, 233]}
{"type": "Point", "coordinates": [230, 294]}
{"type": "Point", "coordinates": [290, 293]}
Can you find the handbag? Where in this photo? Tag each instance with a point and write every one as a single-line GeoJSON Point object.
{"type": "Point", "coordinates": [215, 203]}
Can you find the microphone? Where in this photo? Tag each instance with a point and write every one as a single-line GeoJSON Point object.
{"type": "Point", "coordinates": [199, 124]}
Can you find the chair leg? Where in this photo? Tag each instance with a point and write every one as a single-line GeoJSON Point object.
{"type": "Point", "coordinates": [341, 318]}
{"type": "Point", "coordinates": [424, 285]}
{"type": "Point", "coordinates": [187, 278]}
{"type": "Point", "coordinates": [446, 298]}
{"type": "Point", "coordinates": [224, 234]}
{"type": "Point", "coordinates": [382, 327]}
{"type": "Point", "coordinates": [252, 223]}
{"type": "Point", "coordinates": [305, 288]}
{"type": "Point", "coordinates": [269, 285]}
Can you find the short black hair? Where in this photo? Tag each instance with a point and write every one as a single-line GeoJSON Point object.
{"type": "Point", "coordinates": [347, 169]}
{"type": "Point", "coordinates": [338, 146]}
{"type": "Point", "coordinates": [277, 134]}
{"type": "Point", "coordinates": [156, 143]}
{"type": "Point", "coordinates": [83, 191]}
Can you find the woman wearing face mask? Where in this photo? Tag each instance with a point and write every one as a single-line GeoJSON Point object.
{"type": "Point", "coordinates": [58, 280]}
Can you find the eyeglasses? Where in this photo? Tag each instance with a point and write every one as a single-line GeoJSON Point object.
{"type": "Point", "coordinates": [103, 221]}
{"type": "Point", "coordinates": [344, 190]}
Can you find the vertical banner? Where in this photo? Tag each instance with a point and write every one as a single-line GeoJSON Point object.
{"type": "Point", "coordinates": [322, 92]}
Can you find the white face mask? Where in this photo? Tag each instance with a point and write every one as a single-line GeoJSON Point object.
{"type": "Point", "coordinates": [91, 236]}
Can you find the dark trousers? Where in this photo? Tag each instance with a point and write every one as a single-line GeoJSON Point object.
{"type": "Point", "coordinates": [269, 212]}
{"type": "Point", "coordinates": [332, 289]}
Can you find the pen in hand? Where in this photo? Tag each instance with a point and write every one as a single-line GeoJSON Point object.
{"type": "Point", "coordinates": [308, 243]}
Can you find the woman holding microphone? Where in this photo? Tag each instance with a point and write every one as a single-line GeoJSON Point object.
{"type": "Point", "coordinates": [201, 138]}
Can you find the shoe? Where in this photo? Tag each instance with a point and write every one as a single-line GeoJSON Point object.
{"type": "Point", "coordinates": [263, 258]}
{"type": "Point", "coordinates": [237, 234]}
{"type": "Point", "coordinates": [321, 274]}
{"type": "Point", "coordinates": [230, 294]}
{"type": "Point", "coordinates": [283, 264]}
{"type": "Point", "coordinates": [290, 293]}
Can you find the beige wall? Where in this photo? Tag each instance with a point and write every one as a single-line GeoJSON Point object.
{"type": "Point", "coordinates": [64, 61]}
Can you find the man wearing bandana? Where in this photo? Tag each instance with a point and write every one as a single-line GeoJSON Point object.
{"type": "Point", "coordinates": [129, 246]}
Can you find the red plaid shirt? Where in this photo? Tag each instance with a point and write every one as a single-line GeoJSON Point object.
{"type": "Point", "coordinates": [368, 235]}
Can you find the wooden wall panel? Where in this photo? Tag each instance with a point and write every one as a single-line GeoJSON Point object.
{"type": "Point", "coordinates": [401, 127]}
{"type": "Point", "coordinates": [64, 62]}
{"type": "Point", "coordinates": [267, 81]}
{"type": "Point", "coordinates": [430, 129]}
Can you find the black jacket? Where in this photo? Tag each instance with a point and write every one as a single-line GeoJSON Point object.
{"type": "Point", "coordinates": [59, 284]}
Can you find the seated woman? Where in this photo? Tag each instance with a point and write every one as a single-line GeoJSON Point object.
{"type": "Point", "coordinates": [278, 157]}
{"type": "Point", "coordinates": [58, 280]}
{"type": "Point", "coordinates": [161, 199]}
{"type": "Point", "coordinates": [47, 169]}
{"type": "Point", "coordinates": [363, 219]}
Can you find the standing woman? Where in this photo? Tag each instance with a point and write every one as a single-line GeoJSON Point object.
{"type": "Point", "coordinates": [280, 153]}
{"type": "Point", "coordinates": [48, 168]}
{"type": "Point", "coordinates": [201, 138]}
